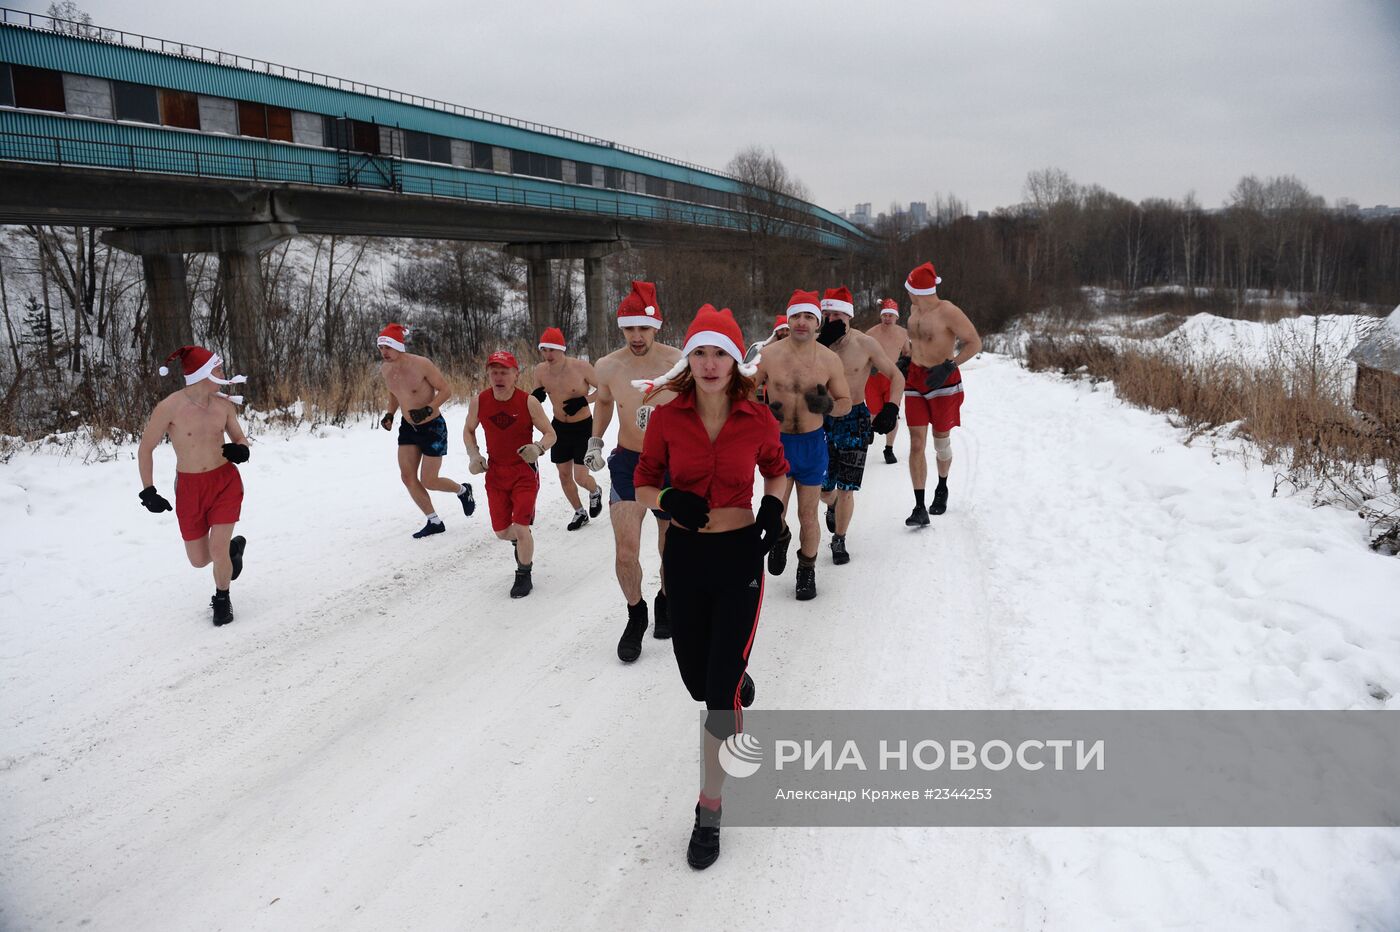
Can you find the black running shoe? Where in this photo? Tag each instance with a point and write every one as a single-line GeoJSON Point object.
{"type": "Point", "coordinates": [595, 503]}
{"type": "Point", "coordinates": [704, 839]}
{"type": "Point", "coordinates": [806, 583]}
{"type": "Point", "coordinates": [223, 609]}
{"type": "Point", "coordinates": [839, 556]}
{"type": "Point", "coordinates": [629, 647]}
{"type": "Point", "coordinates": [661, 630]}
{"type": "Point", "coordinates": [578, 521]}
{"type": "Point", "coordinates": [468, 503]}
{"type": "Point", "coordinates": [831, 520]}
{"type": "Point", "coordinates": [777, 557]}
{"type": "Point", "coordinates": [917, 518]}
{"type": "Point", "coordinates": [940, 500]}
{"type": "Point", "coordinates": [889, 455]}
{"type": "Point", "coordinates": [235, 554]}
{"type": "Point", "coordinates": [431, 528]}
{"type": "Point", "coordinates": [522, 585]}
{"type": "Point", "coordinates": [746, 691]}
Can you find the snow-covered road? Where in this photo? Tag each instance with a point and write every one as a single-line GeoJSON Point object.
{"type": "Point", "coordinates": [383, 740]}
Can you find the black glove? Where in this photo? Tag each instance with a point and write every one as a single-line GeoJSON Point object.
{"type": "Point", "coordinates": [818, 401]}
{"type": "Point", "coordinates": [540, 394]}
{"type": "Point", "coordinates": [419, 415]}
{"type": "Point", "coordinates": [769, 521]}
{"type": "Point", "coordinates": [902, 364]}
{"type": "Point", "coordinates": [153, 501]}
{"type": "Point", "coordinates": [687, 508]}
{"type": "Point", "coordinates": [940, 374]}
{"type": "Point", "coordinates": [884, 421]}
{"type": "Point", "coordinates": [236, 452]}
{"type": "Point", "coordinates": [387, 421]}
{"type": "Point", "coordinates": [831, 331]}
{"type": "Point", "coordinates": [575, 405]}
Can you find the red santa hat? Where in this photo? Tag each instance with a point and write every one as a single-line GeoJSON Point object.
{"type": "Point", "coordinates": [553, 338]}
{"type": "Point", "coordinates": [804, 302]}
{"type": "Point", "coordinates": [780, 324]}
{"type": "Point", "coordinates": [889, 306]}
{"type": "Point", "coordinates": [393, 336]}
{"type": "Point", "coordinates": [839, 300]}
{"type": "Point", "coordinates": [199, 364]}
{"type": "Point", "coordinates": [639, 308]}
{"type": "Point", "coordinates": [503, 358]}
{"type": "Point", "coordinates": [710, 328]}
{"type": "Point", "coordinates": [923, 280]}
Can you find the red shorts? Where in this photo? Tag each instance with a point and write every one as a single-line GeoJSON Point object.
{"type": "Point", "coordinates": [877, 392]}
{"type": "Point", "coordinates": [204, 499]}
{"type": "Point", "coordinates": [938, 406]}
{"type": "Point", "coordinates": [511, 493]}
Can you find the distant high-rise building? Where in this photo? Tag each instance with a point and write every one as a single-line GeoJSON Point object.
{"type": "Point", "coordinates": [918, 214]}
{"type": "Point", "coordinates": [861, 214]}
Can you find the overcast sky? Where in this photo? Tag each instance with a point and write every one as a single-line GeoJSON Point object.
{"type": "Point", "coordinates": [885, 101]}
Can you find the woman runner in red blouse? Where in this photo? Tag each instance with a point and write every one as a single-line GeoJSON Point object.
{"type": "Point", "coordinates": [710, 438]}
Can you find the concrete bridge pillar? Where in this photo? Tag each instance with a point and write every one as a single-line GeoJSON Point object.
{"type": "Point", "coordinates": [538, 256]}
{"type": "Point", "coordinates": [537, 292]}
{"type": "Point", "coordinates": [601, 333]}
{"type": "Point", "coordinates": [162, 253]}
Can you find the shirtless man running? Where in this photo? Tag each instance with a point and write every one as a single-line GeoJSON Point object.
{"type": "Point", "coordinates": [641, 357]}
{"type": "Point", "coordinates": [418, 388]}
{"type": "Point", "coordinates": [805, 382]}
{"type": "Point", "coordinates": [208, 489]}
{"type": "Point", "coordinates": [566, 382]}
{"type": "Point", "coordinates": [847, 438]}
{"type": "Point", "coordinates": [894, 340]}
{"type": "Point", "coordinates": [933, 391]}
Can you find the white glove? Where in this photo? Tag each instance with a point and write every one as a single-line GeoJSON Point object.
{"type": "Point", "coordinates": [477, 465]}
{"type": "Point", "coordinates": [530, 452]}
{"type": "Point", "coordinates": [593, 459]}
{"type": "Point", "coordinates": [644, 415]}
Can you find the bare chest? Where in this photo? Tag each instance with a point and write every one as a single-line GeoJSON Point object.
{"type": "Point", "coordinates": [929, 325]}
{"type": "Point", "coordinates": [565, 381]}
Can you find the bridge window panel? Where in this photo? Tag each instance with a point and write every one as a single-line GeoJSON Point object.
{"type": "Point", "coordinates": [612, 178]}
{"type": "Point", "coordinates": [218, 115]}
{"type": "Point", "coordinates": [417, 145]}
{"type": "Point", "coordinates": [87, 96]}
{"type": "Point", "coordinates": [553, 168]}
{"type": "Point", "coordinates": [306, 128]}
{"type": "Point", "coordinates": [519, 162]}
{"type": "Point", "coordinates": [570, 175]}
{"type": "Point", "coordinates": [460, 152]}
{"type": "Point", "coordinates": [7, 87]}
{"type": "Point", "coordinates": [178, 108]}
{"type": "Point", "coordinates": [654, 186]}
{"type": "Point", "coordinates": [390, 141]}
{"type": "Point", "coordinates": [279, 124]}
{"type": "Point", "coordinates": [440, 150]}
{"type": "Point", "coordinates": [37, 88]}
{"type": "Point", "coordinates": [583, 173]}
{"type": "Point", "coordinates": [482, 157]}
{"type": "Point", "coordinates": [364, 137]}
{"type": "Point", "coordinates": [139, 103]}
{"type": "Point", "coordinates": [252, 119]}
{"type": "Point", "coordinates": [500, 159]}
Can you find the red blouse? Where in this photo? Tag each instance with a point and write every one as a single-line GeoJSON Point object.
{"type": "Point", "coordinates": [676, 441]}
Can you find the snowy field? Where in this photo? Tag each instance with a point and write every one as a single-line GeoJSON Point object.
{"type": "Point", "coordinates": [384, 740]}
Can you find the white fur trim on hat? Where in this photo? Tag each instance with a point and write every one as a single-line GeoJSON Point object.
{"type": "Point", "coordinates": [812, 309]}
{"type": "Point", "coordinates": [391, 343]}
{"type": "Point", "coordinates": [840, 307]}
{"type": "Point", "coordinates": [937, 280]}
{"type": "Point", "coordinates": [889, 310]}
{"type": "Point", "coordinates": [554, 346]}
{"type": "Point", "coordinates": [637, 320]}
{"type": "Point", "coordinates": [703, 338]}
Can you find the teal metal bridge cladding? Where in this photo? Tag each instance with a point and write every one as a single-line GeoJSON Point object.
{"type": "Point", "coordinates": [347, 134]}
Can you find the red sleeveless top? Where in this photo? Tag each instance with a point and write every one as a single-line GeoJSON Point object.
{"type": "Point", "coordinates": [507, 424]}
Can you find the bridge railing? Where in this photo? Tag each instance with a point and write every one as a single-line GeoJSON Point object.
{"type": "Point", "coordinates": [406, 178]}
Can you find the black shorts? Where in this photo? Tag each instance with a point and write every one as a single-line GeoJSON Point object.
{"type": "Point", "coordinates": [430, 438]}
{"type": "Point", "coordinates": [571, 441]}
{"type": "Point", "coordinates": [714, 589]}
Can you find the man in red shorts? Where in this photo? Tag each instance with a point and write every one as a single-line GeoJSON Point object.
{"type": "Point", "coordinates": [208, 489]}
{"type": "Point", "coordinates": [509, 416]}
{"type": "Point", "coordinates": [894, 340]}
{"type": "Point", "coordinates": [933, 389]}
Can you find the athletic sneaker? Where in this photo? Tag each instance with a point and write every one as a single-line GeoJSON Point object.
{"type": "Point", "coordinates": [889, 455]}
{"type": "Point", "coordinates": [940, 499]}
{"type": "Point", "coordinates": [806, 583]}
{"type": "Point", "coordinates": [746, 691]}
{"type": "Point", "coordinates": [468, 503]}
{"type": "Point", "coordinates": [777, 557]}
{"type": "Point", "coordinates": [223, 608]}
{"type": "Point", "coordinates": [523, 585]}
{"type": "Point", "coordinates": [595, 503]}
{"type": "Point", "coordinates": [235, 554]}
{"type": "Point", "coordinates": [917, 518]}
{"type": "Point", "coordinates": [662, 629]}
{"type": "Point", "coordinates": [704, 839]}
{"type": "Point", "coordinates": [431, 528]}
{"type": "Point", "coordinates": [831, 520]}
{"type": "Point", "coordinates": [579, 520]}
{"type": "Point", "coordinates": [629, 647]}
{"type": "Point", "coordinates": [839, 556]}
